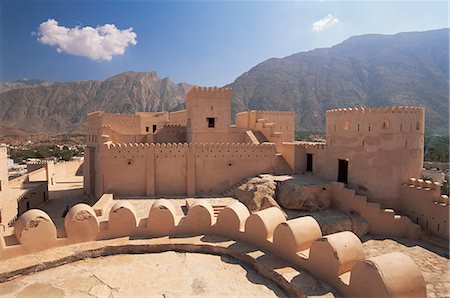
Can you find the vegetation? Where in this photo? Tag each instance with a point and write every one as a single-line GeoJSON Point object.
{"type": "Point", "coordinates": [309, 135]}
{"type": "Point", "coordinates": [436, 148]}
{"type": "Point", "coordinates": [42, 152]}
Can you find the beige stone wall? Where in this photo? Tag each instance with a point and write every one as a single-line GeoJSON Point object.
{"type": "Point", "coordinates": [203, 103]}
{"type": "Point", "coordinates": [170, 133]}
{"type": "Point", "coordinates": [276, 126]}
{"type": "Point", "coordinates": [178, 118]}
{"type": "Point", "coordinates": [383, 146]}
{"type": "Point", "coordinates": [177, 169]}
{"type": "Point", "coordinates": [4, 185]}
{"type": "Point", "coordinates": [423, 203]}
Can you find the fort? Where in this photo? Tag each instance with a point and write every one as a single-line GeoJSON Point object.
{"type": "Point", "coordinates": [372, 158]}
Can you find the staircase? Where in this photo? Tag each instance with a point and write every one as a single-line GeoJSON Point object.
{"type": "Point", "coordinates": [260, 137]}
{"type": "Point", "coordinates": [218, 209]}
{"type": "Point", "coordinates": [281, 167]}
{"type": "Point", "coordinates": [229, 191]}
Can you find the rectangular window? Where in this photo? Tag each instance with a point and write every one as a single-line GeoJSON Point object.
{"type": "Point", "coordinates": [147, 129]}
{"type": "Point", "coordinates": [154, 128]}
{"type": "Point", "coordinates": [343, 171]}
{"type": "Point", "coordinates": [309, 162]}
{"type": "Point", "coordinates": [1, 182]}
{"type": "Point", "coordinates": [211, 122]}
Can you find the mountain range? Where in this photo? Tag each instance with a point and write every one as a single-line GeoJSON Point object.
{"type": "Point", "coordinates": [368, 70]}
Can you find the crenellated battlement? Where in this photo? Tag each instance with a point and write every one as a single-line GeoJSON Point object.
{"type": "Point", "coordinates": [201, 92]}
{"type": "Point", "coordinates": [377, 110]}
{"type": "Point", "coordinates": [3, 152]}
{"type": "Point", "coordinates": [311, 145]}
{"type": "Point", "coordinates": [384, 120]}
{"type": "Point", "coordinates": [338, 259]}
{"type": "Point", "coordinates": [201, 146]}
{"type": "Point", "coordinates": [422, 201]}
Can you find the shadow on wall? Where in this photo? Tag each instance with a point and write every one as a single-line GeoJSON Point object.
{"type": "Point", "coordinates": [79, 172]}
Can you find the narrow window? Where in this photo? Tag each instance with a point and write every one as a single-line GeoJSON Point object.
{"type": "Point", "coordinates": [369, 127]}
{"type": "Point", "coordinates": [358, 126]}
{"type": "Point", "coordinates": [417, 126]}
{"type": "Point", "coordinates": [438, 228]}
{"type": "Point", "coordinates": [385, 124]}
{"type": "Point", "coordinates": [309, 162]}
{"type": "Point", "coordinates": [211, 122]}
{"type": "Point", "coordinates": [154, 128]}
{"type": "Point", "coordinates": [401, 127]}
{"type": "Point", "coordinates": [1, 182]}
{"type": "Point", "coordinates": [147, 129]}
{"type": "Point", "coordinates": [343, 171]}
{"type": "Point", "coordinates": [346, 125]}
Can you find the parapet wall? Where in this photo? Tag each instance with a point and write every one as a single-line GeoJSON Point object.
{"type": "Point", "coordinates": [178, 118]}
{"type": "Point", "coordinates": [178, 169]}
{"type": "Point", "coordinates": [381, 221]}
{"type": "Point", "coordinates": [395, 119]}
{"type": "Point", "coordinates": [170, 133]}
{"type": "Point", "coordinates": [208, 92]}
{"type": "Point", "coordinates": [339, 259]}
{"type": "Point", "coordinates": [423, 203]}
{"type": "Point", "coordinates": [276, 126]}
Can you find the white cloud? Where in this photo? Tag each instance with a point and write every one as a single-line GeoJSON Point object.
{"type": "Point", "coordinates": [100, 43]}
{"type": "Point", "coordinates": [325, 22]}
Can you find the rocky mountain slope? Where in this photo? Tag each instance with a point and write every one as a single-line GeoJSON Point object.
{"type": "Point", "coordinates": [368, 70]}
{"type": "Point", "coordinates": [63, 107]}
{"type": "Point", "coordinates": [23, 83]}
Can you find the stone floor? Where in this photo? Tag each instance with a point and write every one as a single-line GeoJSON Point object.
{"type": "Point", "coordinates": [167, 274]}
{"type": "Point", "coordinates": [432, 260]}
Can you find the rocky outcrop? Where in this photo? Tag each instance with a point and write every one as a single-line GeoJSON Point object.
{"type": "Point", "coordinates": [257, 193]}
{"type": "Point", "coordinates": [334, 221]}
{"type": "Point", "coordinates": [295, 194]}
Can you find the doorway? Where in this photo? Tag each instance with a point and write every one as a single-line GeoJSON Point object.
{"type": "Point", "coordinates": [343, 171]}
{"type": "Point", "coordinates": [309, 162]}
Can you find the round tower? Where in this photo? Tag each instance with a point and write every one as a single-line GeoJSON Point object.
{"type": "Point", "coordinates": [375, 149]}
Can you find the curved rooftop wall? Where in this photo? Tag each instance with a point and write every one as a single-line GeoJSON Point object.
{"type": "Point", "coordinates": [338, 259]}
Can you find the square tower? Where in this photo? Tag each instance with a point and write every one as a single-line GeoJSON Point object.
{"type": "Point", "coordinates": [208, 114]}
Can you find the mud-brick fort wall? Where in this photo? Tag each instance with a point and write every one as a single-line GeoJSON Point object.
{"type": "Point", "coordinates": [275, 126]}
{"type": "Point", "coordinates": [383, 147]}
{"type": "Point", "coordinates": [178, 169]}
{"type": "Point", "coordinates": [423, 203]}
{"type": "Point", "coordinates": [4, 186]}
{"type": "Point", "coordinates": [209, 116]}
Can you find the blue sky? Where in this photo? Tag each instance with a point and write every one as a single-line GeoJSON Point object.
{"type": "Point", "coordinates": [199, 42]}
